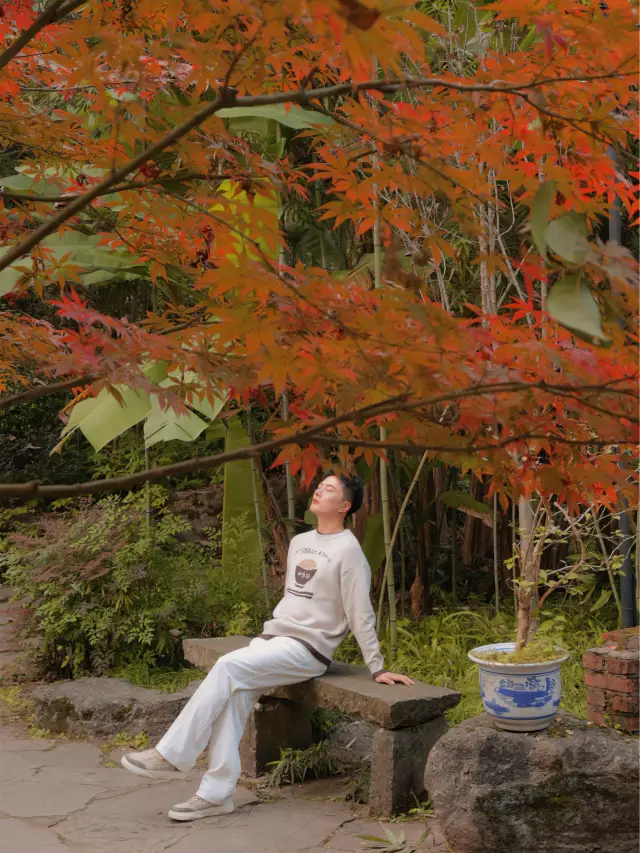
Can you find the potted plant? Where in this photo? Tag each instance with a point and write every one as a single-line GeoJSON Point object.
{"type": "Point", "coordinates": [520, 682]}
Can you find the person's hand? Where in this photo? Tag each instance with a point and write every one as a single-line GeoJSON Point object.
{"type": "Point", "coordinates": [393, 678]}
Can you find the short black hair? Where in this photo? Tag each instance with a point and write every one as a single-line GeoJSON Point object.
{"type": "Point", "coordinates": [353, 492]}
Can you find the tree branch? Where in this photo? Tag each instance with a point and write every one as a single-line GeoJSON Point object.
{"type": "Point", "coordinates": [53, 12]}
{"type": "Point", "coordinates": [119, 188]}
{"type": "Point", "coordinates": [308, 435]}
{"type": "Point", "coordinates": [39, 391]}
{"type": "Point", "coordinates": [227, 98]}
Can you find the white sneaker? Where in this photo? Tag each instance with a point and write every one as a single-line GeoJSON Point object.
{"type": "Point", "coordinates": [149, 764]}
{"type": "Point", "coordinates": [196, 808]}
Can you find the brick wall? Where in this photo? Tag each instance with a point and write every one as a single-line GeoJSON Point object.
{"type": "Point", "coordinates": [611, 674]}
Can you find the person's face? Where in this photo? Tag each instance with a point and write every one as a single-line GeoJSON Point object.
{"type": "Point", "coordinates": [329, 498]}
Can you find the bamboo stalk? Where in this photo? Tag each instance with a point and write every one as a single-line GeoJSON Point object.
{"type": "Point", "coordinates": [605, 554]}
{"type": "Point", "coordinates": [147, 491]}
{"type": "Point", "coordinates": [388, 565]}
{"type": "Point", "coordinates": [291, 486]}
{"type": "Point", "coordinates": [403, 558]}
{"type": "Point", "coordinates": [496, 577]}
{"type": "Point", "coordinates": [454, 542]}
{"type": "Point", "coordinates": [513, 555]}
{"type": "Point", "coordinates": [384, 482]}
{"type": "Point", "coordinates": [256, 506]}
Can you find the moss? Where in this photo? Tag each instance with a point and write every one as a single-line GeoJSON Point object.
{"type": "Point", "coordinates": [529, 654]}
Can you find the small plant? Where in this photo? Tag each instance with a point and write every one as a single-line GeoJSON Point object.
{"type": "Point", "coordinates": [360, 786]}
{"type": "Point", "coordinates": [295, 765]}
{"type": "Point", "coordinates": [324, 721]}
{"type": "Point", "coordinates": [38, 733]}
{"type": "Point", "coordinates": [393, 843]}
{"type": "Point", "coordinates": [136, 742]}
{"type": "Point", "coordinates": [14, 701]}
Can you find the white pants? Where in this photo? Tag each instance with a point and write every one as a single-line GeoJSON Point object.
{"type": "Point", "coordinates": [218, 711]}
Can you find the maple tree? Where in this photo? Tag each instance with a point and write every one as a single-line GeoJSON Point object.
{"type": "Point", "coordinates": [124, 119]}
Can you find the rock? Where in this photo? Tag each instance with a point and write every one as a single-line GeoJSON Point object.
{"type": "Point", "coordinates": [569, 789]}
{"type": "Point", "coordinates": [101, 707]}
{"type": "Point", "coordinates": [352, 742]}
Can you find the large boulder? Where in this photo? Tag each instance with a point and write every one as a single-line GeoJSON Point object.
{"type": "Point", "coordinates": [101, 707]}
{"type": "Point", "coordinates": [570, 789]}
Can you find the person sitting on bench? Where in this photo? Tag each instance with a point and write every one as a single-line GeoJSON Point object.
{"type": "Point", "coordinates": [326, 595]}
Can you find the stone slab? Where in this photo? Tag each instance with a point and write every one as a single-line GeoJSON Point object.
{"type": "Point", "coordinates": [285, 827]}
{"type": "Point", "coordinates": [27, 799]}
{"type": "Point", "coordinates": [18, 836]}
{"type": "Point", "coordinates": [397, 766]}
{"type": "Point", "coordinates": [101, 707]}
{"type": "Point", "coordinates": [349, 837]}
{"type": "Point", "coordinates": [345, 688]}
{"type": "Point", "coordinates": [274, 724]}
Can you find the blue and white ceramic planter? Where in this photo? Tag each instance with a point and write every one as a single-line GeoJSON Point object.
{"type": "Point", "coordinates": [519, 697]}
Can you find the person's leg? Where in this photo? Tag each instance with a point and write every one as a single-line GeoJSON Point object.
{"type": "Point", "coordinates": [189, 734]}
{"type": "Point", "coordinates": [242, 677]}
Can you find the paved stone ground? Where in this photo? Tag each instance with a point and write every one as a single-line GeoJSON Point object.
{"type": "Point", "coordinates": [66, 796]}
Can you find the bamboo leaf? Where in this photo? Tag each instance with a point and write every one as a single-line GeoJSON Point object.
{"type": "Point", "coordinates": [604, 597]}
{"type": "Point", "coordinates": [463, 500]}
{"type": "Point", "coordinates": [567, 237]}
{"type": "Point", "coordinates": [294, 116]}
{"type": "Point", "coordinates": [540, 213]}
{"type": "Point", "coordinates": [573, 305]}
{"type": "Point", "coordinates": [103, 418]}
{"type": "Point", "coordinates": [167, 425]}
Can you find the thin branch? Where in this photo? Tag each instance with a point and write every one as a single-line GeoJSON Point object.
{"type": "Point", "coordinates": [119, 188]}
{"type": "Point", "coordinates": [470, 447]}
{"type": "Point", "coordinates": [52, 13]}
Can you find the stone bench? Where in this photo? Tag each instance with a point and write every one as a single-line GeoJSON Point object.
{"type": "Point", "coordinates": [409, 721]}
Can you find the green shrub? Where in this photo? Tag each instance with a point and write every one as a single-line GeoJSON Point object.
{"type": "Point", "coordinates": [104, 590]}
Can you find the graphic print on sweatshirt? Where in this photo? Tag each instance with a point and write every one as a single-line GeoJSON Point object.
{"type": "Point", "coordinates": [304, 572]}
{"type": "Point", "coordinates": [309, 565]}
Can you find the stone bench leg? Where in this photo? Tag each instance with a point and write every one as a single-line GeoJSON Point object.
{"type": "Point", "coordinates": [398, 761]}
{"type": "Point", "coordinates": [274, 723]}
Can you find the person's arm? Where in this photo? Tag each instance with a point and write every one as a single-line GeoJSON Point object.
{"type": "Point", "coordinates": [355, 586]}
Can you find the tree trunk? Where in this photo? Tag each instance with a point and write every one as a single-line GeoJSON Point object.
{"type": "Point", "coordinates": [529, 569]}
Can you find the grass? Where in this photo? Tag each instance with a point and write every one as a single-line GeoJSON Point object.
{"type": "Point", "coordinates": [158, 678]}
{"type": "Point", "coordinates": [294, 765]}
{"type": "Point", "coordinates": [434, 650]}
{"type": "Point", "coordinates": [135, 742]}
{"type": "Point", "coordinates": [14, 701]}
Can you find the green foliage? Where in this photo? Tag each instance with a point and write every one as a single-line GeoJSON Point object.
{"type": "Point", "coordinates": [240, 547]}
{"type": "Point", "coordinates": [434, 649]}
{"type": "Point", "coordinates": [325, 721]}
{"type": "Point", "coordinates": [104, 590]}
{"type": "Point", "coordinates": [29, 434]}
{"type": "Point", "coordinates": [13, 700]}
{"type": "Point", "coordinates": [294, 765]}
{"type": "Point", "coordinates": [165, 679]}
{"type": "Point", "coordinates": [137, 742]}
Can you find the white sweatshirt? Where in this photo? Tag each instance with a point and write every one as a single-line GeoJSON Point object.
{"type": "Point", "coordinates": [327, 593]}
